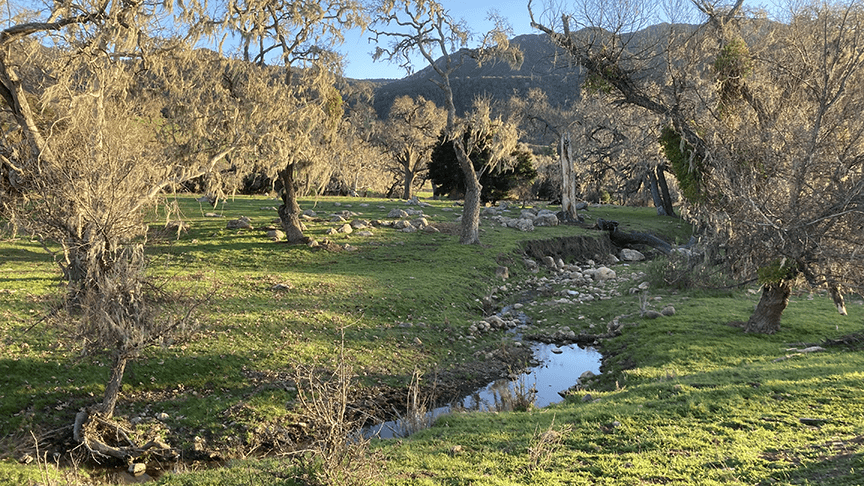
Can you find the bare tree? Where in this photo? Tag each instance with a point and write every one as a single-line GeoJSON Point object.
{"type": "Point", "coordinates": [425, 27]}
{"type": "Point", "coordinates": [763, 129]}
{"type": "Point", "coordinates": [413, 130]}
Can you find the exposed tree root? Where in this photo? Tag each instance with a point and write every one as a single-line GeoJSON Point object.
{"type": "Point", "coordinates": [103, 438]}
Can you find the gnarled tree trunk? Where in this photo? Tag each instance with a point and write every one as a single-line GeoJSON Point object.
{"type": "Point", "coordinates": [766, 317]}
{"type": "Point", "coordinates": [470, 231]}
{"type": "Point", "coordinates": [112, 389]}
{"type": "Point", "coordinates": [289, 211]}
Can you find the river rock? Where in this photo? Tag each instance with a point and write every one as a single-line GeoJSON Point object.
{"type": "Point", "coordinates": [550, 263]}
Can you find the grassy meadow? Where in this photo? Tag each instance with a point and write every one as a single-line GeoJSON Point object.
{"type": "Point", "coordinates": [684, 399]}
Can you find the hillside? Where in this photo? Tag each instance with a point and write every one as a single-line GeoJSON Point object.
{"type": "Point", "coordinates": [544, 67]}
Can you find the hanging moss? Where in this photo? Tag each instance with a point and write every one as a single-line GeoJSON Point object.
{"type": "Point", "coordinates": [689, 177]}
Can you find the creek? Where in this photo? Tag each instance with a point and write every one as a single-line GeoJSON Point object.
{"type": "Point", "coordinates": [556, 372]}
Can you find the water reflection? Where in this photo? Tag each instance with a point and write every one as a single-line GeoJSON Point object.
{"type": "Point", "coordinates": [559, 369]}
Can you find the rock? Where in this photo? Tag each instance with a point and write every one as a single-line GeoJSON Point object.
{"type": "Point", "coordinates": [402, 224]}
{"type": "Point", "coordinates": [431, 229]}
{"type": "Point", "coordinates": [550, 263]}
{"type": "Point", "coordinates": [213, 215]}
{"type": "Point", "coordinates": [580, 205]}
{"type": "Point", "coordinates": [604, 273]}
{"type": "Point", "coordinates": [397, 213]}
{"type": "Point", "coordinates": [418, 342]}
{"type": "Point", "coordinates": [348, 247]}
{"type": "Point", "coordinates": [559, 263]}
{"type": "Point", "coordinates": [587, 398]}
{"type": "Point", "coordinates": [629, 255]}
{"type": "Point", "coordinates": [587, 375]}
{"type": "Point", "coordinates": [276, 235]}
{"type": "Point", "coordinates": [557, 350]}
{"type": "Point", "coordinates": [336, 219]}
{"type": "Point", "coordinates": [531, 265]}
{"type": "Point", "coordinates": [644, 286]}
{"type": "Point", "coordinates": [310, 213]}
{"type": "Point", "coordinates": [652, 314]}
{"type": "Point", "coordinates": [137, 469]}
{"type": "Point", "coordinates": [420, 223]}
{"type": "Point", "coordinates": [524, 225]}
{"type": "Point", "coordinates": [409, 229]}
{"type": "Point", "coordinates": [345, 229]}
{"type": "Point", "coordinates": [489, 212]}
{"type": "Point", "coordinates": [545, 220]}
{"type": "Point", "coordinates": [281, 286]}
{"type": "Point", "coordinates": [364, 233]}
{"type": "Point", "coordinates": [502, 272]}
{"type": "Point", "coordinates": [528, 214]}
{"type": "Point", "coordinates": [240, 223]}
{"type": "Point", "coordinates": [162, 416]}
{"type": "Point", "coordinates": [668, 311]}
{"type": "Point", "coordinates": [359, 224]}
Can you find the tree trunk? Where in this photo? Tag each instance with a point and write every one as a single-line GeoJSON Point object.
{"type": "Point", "coordinates": [665, 198]}
{"type": "Point", "coordinates": [568, 184]}
{"type": "Point", "coordinates": [655, 193]}
{"type": "Point", "coordinates": [409, 182]}
{"type": "Point", "coordinates": [766, 317]}
{"type": "Point", "coordinates": [470, 232]}
{"type": "Point", "coordinates": [289, 211]}
{"type": "Point", "coordinates": [112, 389]}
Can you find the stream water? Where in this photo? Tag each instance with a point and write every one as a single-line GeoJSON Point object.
{"type": "Point", "coordinates": [555, 373]}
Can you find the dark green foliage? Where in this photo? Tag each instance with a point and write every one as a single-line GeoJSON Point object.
{"type": "Point", "coordinates": [778, 271]}
{"type": "Point", "coordinates": [445, 173]}
{"type": "Point", "coordinates": [678, 154]}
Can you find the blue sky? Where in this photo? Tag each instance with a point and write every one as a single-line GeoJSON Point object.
{"type": "Point", "coordinates": [357, 49]}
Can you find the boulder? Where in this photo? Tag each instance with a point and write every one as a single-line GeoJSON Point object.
{"type": "Point", "coordinates": [345, 229]}
{"type": "Point", "coordinates": [420, 223]}
{"type": "Point", "coordinates": [550, 263]}
{"type": "Point", "coordinates": [629, 255]}
{"type": "Point", "coordinates": [240, 223]}
{"type": "Point", "coordinates": [310, 213]}
{"type": "Point", "coordinates": [397, 213]}
{"type": "Point", "coordinates": [604, 273]}
{"type": "Point", "coordinates": [545, 220]}
{"type": "Point", "coordinates": [402, 224]}
{"type": "Point", "coordinates": [276, 235]}
{"type": "Point", "coordinates": [668, 311]}
{"type": "Point", "coordinates": [359, 224]}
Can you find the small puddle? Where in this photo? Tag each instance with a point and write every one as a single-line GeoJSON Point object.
{"type": "Point", "coordinates": [556, 372]}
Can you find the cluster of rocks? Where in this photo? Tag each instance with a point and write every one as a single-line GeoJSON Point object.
{"type": "Point", "coordinates": [493, 323]}
{"type": "Point", "coordinates": [527, 220]}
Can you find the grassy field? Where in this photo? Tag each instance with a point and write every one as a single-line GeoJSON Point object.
{"type": "Point", "coordinates": [686, 399]}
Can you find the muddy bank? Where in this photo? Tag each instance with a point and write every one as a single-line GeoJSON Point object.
{"type": "Point", "coordinates": [571, 248]}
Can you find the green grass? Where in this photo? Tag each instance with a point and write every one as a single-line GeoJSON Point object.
{"type": "Point", "coordinates": [685, 399]}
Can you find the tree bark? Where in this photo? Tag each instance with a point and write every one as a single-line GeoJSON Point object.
{"type": "Point", "coordinates": [289, 211]}
{"type": "Point", "coordinates": [470, 231]}
{"type": "Point", "coordinates": [766, 317]}
{"type": "Point", "coordinates": [568, 184]}
{"type": "Point", "coordinates": [112, 389]}
{"type": "Point", "coordinates": [409, 180]}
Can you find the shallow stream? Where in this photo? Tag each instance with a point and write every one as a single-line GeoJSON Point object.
{"type": "Point", "coordinates": [556, 372]}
